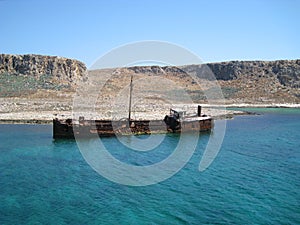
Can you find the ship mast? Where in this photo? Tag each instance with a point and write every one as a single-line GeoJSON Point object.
{"type": "Point", "coordinates": [130, 96]}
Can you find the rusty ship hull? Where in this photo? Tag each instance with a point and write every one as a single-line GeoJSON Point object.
{"type": "Point", "coordinates": [175, 122]}
{"type": "Point", "coordinates": [89, 128]}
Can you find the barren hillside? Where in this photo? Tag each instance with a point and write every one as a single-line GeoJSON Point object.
{"type": "Point", "coordinates": [32, 84]}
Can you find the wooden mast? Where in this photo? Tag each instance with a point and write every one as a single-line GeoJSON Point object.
{"type": "Point", "coordinates": [130, 96]}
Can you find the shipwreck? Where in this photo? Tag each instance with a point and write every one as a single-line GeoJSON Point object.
{"type": "Point", "coordinates": [175, 122]}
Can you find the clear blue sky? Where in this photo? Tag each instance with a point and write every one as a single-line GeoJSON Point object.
{"type": "Point", "coordinates": [214, 30]}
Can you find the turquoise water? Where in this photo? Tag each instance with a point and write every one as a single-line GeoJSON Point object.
{"type": "Point", "coordinates": [253, 180]}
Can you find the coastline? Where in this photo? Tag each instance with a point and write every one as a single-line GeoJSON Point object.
{"type": "Point", "coordinates": [217, 112]}
{"type": "Point", "coordinates": [250, 105]}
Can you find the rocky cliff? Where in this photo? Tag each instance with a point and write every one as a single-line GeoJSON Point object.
{"type": "Point", "coordinates": [71, 71]}
{"type": "Point", "coordinates": [63, 70]}
{"type": "Point", "coordinates": [241, 81]}
{"type": "Point", "coordinates": [33, 84]}
{"type": "Point", "coordinates": [286, 71]}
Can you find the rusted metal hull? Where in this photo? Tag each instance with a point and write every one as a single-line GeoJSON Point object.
{"type": "Point", "coordinates": [89, 128]}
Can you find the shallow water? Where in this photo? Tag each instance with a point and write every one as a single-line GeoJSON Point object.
{"type": "Point", "coordinates": [254, 178]}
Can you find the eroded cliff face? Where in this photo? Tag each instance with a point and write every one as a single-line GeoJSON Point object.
{"type": "Point", "coordinates": [62, 70]}
{"type": "Point", "coordinates": [37, 76]}
{"type": "Point", "coordinates": [241, 81]}
{"type": "Point", "coordinates": [71, 71]}
{"type": "Point", "coordinates": [286, 71]}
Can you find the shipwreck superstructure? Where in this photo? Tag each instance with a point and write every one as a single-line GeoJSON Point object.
{"type": "Point", "coordinates": [176, 121]}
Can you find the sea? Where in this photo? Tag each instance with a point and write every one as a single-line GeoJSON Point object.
{"type": "Point", "coordinates": [254, 178]}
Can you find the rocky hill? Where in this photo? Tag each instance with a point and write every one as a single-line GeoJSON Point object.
{"type": "Point", "coordinates": [286, 71]}
{"type": "Point", "coordinates": [261, 81]}
{"type": "Point", "coordinates": [35, 83]}
{"type": "Point", "coordinates": [23, 73]}
{"type": "Point", "coordinates": [253, 82]}
{"type": "Point", "coordinates": [63, 69]}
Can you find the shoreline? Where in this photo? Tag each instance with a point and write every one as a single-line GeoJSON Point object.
{"type": "Point", "coordinates": [249, 105]}
{"type": "Point", "coordinates": [25, 121]}
{"type": "Point", "coordinates": [46, 117]}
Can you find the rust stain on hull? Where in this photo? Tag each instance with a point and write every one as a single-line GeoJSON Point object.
{"type": "Point", "coordinates": [87, 128]}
